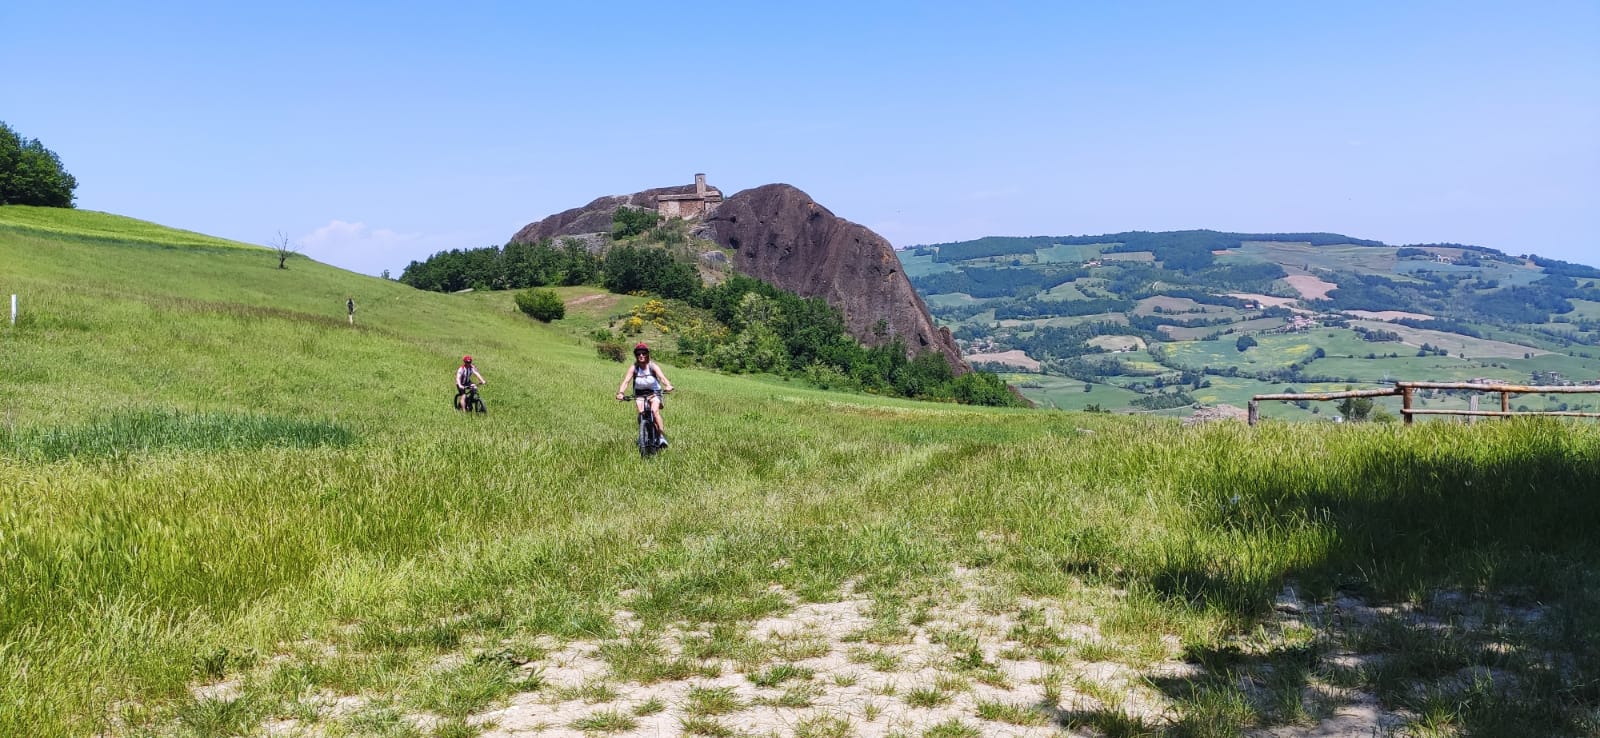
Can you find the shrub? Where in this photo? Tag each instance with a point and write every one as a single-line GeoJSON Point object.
{"type": "Point", "coordinates": [542, 305]}
{"type": "Point", "coordinates": [628, 221]}
{"type": "Point", "coordinates": [612, 350]}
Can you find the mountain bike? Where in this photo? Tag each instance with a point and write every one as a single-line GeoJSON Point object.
{"type": "Point", "coordinates": [649, 438]}
{"type": "Point", "coordinates": [473, 403]}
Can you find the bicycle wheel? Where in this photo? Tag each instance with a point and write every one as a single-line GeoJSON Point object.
{"type": "Point", "coordinates": [647, 428]}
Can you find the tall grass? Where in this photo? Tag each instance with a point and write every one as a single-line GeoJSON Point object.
{"type": "Point", "coordinates": [200, 470]}
{"type": "Point", "coordinates": [136, 431]}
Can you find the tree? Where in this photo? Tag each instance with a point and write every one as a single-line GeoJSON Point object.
{"type": "Point", "coordinates": [542, 305]}
{"type": "Point", "coordinates": [31, 174]}
{"type": "Point", "coordinates": [1244, 342]}
{"type": "Point", "coordinates": [628, 221]}
{"type": "Point", "coordinates": [283, 248]}
{"type": "Point", "coordinates": [1356, 409]}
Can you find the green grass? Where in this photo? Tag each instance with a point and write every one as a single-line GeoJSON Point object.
{"type": "Point", "coordinates": [605, 721]}
{"type": "Point", "coordinates": [706, 701]}
{"type": "Point", "coordinates": [58, 222]}
{"type": "Point", "coordinates": [259, 491]}
{"type": "Point", "coordinates": [144, 431]}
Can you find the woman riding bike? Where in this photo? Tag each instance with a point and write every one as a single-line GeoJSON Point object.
{"type": "Point", "coordinates": [464, 375]}
{"type": "Point", "coordinates": [649, 382]}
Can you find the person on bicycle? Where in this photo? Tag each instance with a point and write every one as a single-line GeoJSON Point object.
{"type": "Point", "coordinates": [649, 382]}
{"type": "Point", "coordinates": [464, 375]}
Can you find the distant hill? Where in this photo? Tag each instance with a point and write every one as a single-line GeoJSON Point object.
{"type": "Point", "coordinates": [1165, 321]}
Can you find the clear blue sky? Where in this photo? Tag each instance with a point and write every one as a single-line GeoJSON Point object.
{"type": "Point", "coordinates": [378, 133]}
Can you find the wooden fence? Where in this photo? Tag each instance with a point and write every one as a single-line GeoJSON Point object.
{"type": "Point", "coordinates": [1406, 389]}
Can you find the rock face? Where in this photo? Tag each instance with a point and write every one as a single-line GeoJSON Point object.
{"type": "Point", "coordinates": [594, 217]}
{"type": "Point", "coordinates": [779, 234]}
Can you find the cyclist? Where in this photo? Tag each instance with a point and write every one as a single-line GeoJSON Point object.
{"type": "Point", "coordinates": [648, 381]}
{"type": "Point", "coordinates": [464, 375]}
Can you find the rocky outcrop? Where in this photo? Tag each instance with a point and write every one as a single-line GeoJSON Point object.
{"type": "Point", "coordinates": [779, 234]}
{"type": "Point", "coordinates": [594, 217]}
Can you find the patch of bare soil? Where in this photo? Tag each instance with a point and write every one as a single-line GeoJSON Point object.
{"type": "Point", "coordinates": [603, 298]}
{"type": "Point", "coordinates": [1267, 300]}
{"type": "Point", "coordinates": [1310, 287]}
{"type": "Point", "coordinates": [1012, 358]}
{"type": "Point", "coordinates": [975, 655]}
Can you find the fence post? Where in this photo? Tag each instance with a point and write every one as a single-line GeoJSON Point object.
{"type": "Point", "coordinates": [1472, 404]}
{"type": "Point", "coordinates": [1405, 403]}
{"type": "Point", "coordinates": [13, 309]}
{"type": "Point", "coordinates": [1255, 412]}
{"type": "Point", "coordinates": [1505, 401]}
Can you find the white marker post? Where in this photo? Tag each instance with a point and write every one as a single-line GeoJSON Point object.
{"type": "Point", "coordinates": [13, 309]}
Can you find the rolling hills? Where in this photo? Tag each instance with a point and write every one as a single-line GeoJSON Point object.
{"type": "Point", "coordinates": [1325, 311]}
{"type": "Point", "coordinates": [225, 510]}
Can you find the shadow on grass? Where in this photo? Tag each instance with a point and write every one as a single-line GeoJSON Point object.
{"type": "Point", "coordinates": [1502, 524]}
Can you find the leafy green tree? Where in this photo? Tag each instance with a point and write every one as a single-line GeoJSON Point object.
{"type": "Point", "coordinates": [1244, 342]}
{"type": "Point", "coordinates": [582, 267]}
{"type": "Point", "coordinates": [628, 221]}
{"type": "Point", "coordinates": [1355, 409]}
{"type": "Point", "coordinates": [542, 305]}
{"type": "Point", "coordinates": [31, 174]}
{"type": "Point", "coordinates": [982, 388]}
{"type": "Point", "coordinates": [633, 269]}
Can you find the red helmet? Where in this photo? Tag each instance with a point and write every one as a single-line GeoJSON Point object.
{"type": "Point", "coordinates": [638, 347]}
{"type": "Point", "coordinates": [466, 359]}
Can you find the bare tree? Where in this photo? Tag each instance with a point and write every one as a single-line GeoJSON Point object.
{"type": "Point", "coordinates": [283, 248]}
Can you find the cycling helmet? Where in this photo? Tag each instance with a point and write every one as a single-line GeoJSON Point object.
{"type": "Point", "coordinates": [466, 359]}
{"type": "Point", "coordinates": [641, 347]}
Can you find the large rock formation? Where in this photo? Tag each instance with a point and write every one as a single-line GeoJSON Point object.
{"type": "Point", "coordinates": [781, 235]}
{"type": "Point", "coordinates": [594, 217]}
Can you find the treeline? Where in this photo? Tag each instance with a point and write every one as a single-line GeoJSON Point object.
{"type": "Point", "coordinates": [1519, 305]}
{"type": "Point", "coordinates": [1191, 251]}
{"type": "Point", "coordinates": [1565, 268]}
{"type": "Point", "coordinates": [987, 282]}
{"type": "Point", "coordinates": [1372, 292]}
{"type": "Point", "coordinates": [512, 267]}
{"type": "Point", "coordinates": [1062, 342]}
{"type": "Point", "coordinates": [766, 329]}
{"type": "Point", "coordinates": [1178, 250]}
{"type": "Point", "coordinates": [990, 246]}
{"type": "Point", "coordinates": [1027, 309]}
{"type": "Point", "coordinates": [1129, 282]}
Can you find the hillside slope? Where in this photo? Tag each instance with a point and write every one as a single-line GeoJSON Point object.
{"type": "Point", "coordinates": [1164, 321]}
{"type": "Point", "coordinates": [225, 510]}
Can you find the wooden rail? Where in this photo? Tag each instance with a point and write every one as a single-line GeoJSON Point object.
{"type": "Point", "coordinates": [1406, 389]}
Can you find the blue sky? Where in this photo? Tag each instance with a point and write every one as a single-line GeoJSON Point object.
{"type": "Point", "coordinates": [378, 133]}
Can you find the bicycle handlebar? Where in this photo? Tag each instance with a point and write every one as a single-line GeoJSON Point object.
{"type": "Point", "coordinates": [636, 396]}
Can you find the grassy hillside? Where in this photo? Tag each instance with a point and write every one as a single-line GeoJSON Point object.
{"type": "Point", "coordinates": [223, 509]}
